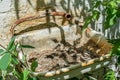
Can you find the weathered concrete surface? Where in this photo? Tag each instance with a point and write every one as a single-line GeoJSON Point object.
{"type": "Point", "coordinates": [8, 16]}
{"type": "Point", "coordinates": [11, 10]}
{"type": "Point", "coordinates": [5, 5]}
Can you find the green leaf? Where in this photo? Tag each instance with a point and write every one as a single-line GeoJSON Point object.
{"type": "Point", "coordinates": [1, 78]}
{"type": "Point", "coordinates": [113, 4]}
{"type": "Point", "coordinates": [96, 14]}
{"type": "Point", "coordinates": [118, 13]}
{"type": "Point", "coordinates": [33, 78]}
{"type": "Point", "coordinates": [5, 61]}
{"type": "Point", "coordinates": [104, 3]}
{"type": "Point", "coordinates": [119, 48]}
{"type": "Point", "coordinates": [116, 46]}
{"type": "Point", "coordinates": [97, 4]}
{"type": "Point", "coordinates": [17, 74]}
{"type": "Point", "coordinates": [14, 60]}
{"type": "Point", "coordinates": [118, 1]}
{"type": "Point", "coordinates": [106, 25]}
{"type": "Point", "coordinates": [108, 11]}
{"type": "Point", "coordinates": [1, 51]}
{"type": "Point", "coordinates": [114, 11]}
{"type": "Point", "coordinates": [13, 48]}
{"type": "Point", "coordinates": [9, 69]}
{"type": "Point", "coordinates": [112, 20]}
{"type": "Point", "coordinates": [26, 46]}
{"type": "Point", "coordinates": [25, 74]}
{"type": "Point", "coordinates": [34, 65]}
{"type": "Point", "coordinates": [110, 76]}
{"type": "Point", "coordinates": [11, 44]}
{"type": "Point", "coordinates": [118, 60]}
{"type": "Point", "coordinates": [87, 22]}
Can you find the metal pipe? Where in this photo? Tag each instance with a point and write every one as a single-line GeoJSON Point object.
{"type": "Point", "coordinates": [67, 16]}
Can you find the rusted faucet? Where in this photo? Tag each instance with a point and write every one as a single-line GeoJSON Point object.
{"type": "Point", "coordinates": [67, 16]}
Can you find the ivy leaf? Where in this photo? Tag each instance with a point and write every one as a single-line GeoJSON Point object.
{"type": "Point", "coordinates": [34, 65]}
{"type": "Point", "coordinates": [5, 61]}
{"type": "Point", "coordinates": [25, 74]}
{"type": "Point", "coordinates": [11, 44]}
{"type": "Point", "coordinates": [26, 46]}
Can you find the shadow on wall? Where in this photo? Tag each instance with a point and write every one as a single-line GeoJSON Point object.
{"type": "Point", "coordinates": [77, 8]}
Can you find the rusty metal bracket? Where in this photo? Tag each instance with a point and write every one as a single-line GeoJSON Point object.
{"type": "Point", "coordinates": [67, 16]}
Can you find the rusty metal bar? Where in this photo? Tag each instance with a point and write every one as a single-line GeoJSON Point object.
{"type": "Point", "coordinates": [67, 16]}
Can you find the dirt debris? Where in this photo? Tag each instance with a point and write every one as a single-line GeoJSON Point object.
{"type": "Point", "coordinates": [63, 56]}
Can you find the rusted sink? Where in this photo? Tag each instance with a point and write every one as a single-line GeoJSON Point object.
{"type": "Point", "coordinates": [42, 39]}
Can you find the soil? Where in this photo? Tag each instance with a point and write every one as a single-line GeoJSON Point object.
{"type": "Point", "coordinates": [64, 55]}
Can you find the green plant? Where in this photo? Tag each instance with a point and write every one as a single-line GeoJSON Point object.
{"type": "Point", "coordinates": [10, 64]}
{"type": "Point", "coordinates": [116, 47]}
{"type": "Point", "coordinates": [110, 76]}
{"type": "Point", "coordinates": [114, 52]}
{"type": "Point", "coordinates": [111, 11]}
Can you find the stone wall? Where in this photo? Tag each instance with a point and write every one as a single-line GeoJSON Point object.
{"type": "Point", "coordinates": [10, 11]}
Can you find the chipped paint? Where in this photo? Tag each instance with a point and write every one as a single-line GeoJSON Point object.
{"type": "Point", "coordinates": [86, 70]}
{"type": "Point", "coordinates": [49, 74]}
{"type": "Point", "coordinates": [58, 72]}
{"type": "Point", "coordinates": [105, 63]}
{"type": "Point", "coordinates": [65, 69]}
{"type": "Point", "coordinates": [101, 58]}
{"type": "Point", "coordinates": [98, 66]}
{"type": "Point", "coordinates": [66, 76]}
